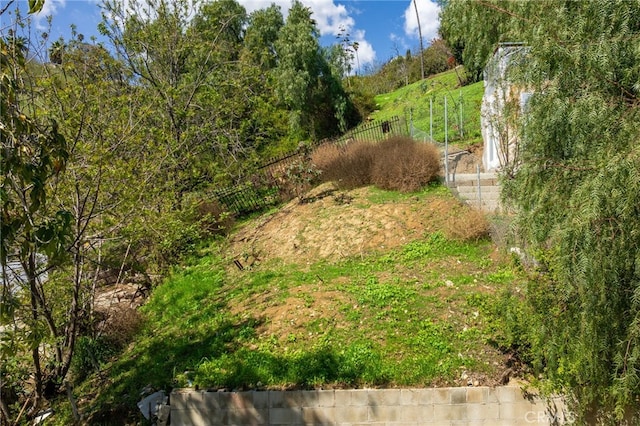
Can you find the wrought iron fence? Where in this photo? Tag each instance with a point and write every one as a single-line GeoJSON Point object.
{"type": "Point", "coordinates": [265, 188]}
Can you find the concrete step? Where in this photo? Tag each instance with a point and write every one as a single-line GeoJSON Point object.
{"type": "Point", "coordinates": [465, 186]}
{"type": "Point", "coordinates": [472, 191]}
{"type": "Point", "coordinates": [472, 182]}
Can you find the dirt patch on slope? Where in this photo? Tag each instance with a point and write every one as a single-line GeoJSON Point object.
{"type": "Point", "coordinates": [333, 224]}
{"type": "Point", "coordinates": [292, 315]}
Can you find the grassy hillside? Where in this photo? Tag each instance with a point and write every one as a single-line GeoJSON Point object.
{"type": "Point", "coordinates": [353, 288]}
{"type": "Point", "coordinates": [414, 101]}
{"type": "Point", "coordinates": [357, 288]}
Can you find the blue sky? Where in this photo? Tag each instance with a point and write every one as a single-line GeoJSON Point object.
{"type": "Point", "coordinates": [381, 27]}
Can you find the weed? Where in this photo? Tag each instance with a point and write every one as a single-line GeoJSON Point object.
{"type": "Point", "coordinates": [503, 275]}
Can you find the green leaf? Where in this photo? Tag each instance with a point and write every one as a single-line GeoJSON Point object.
{"type": "Point", "coordinates": [35, 6]}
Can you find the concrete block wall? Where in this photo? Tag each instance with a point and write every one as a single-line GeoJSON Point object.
{"type": "Point", "coordinates": [470, 406]}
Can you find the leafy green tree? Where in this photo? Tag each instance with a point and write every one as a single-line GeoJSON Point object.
{"type": "Point", "coordinates": [298, 69]}
{"type": "Point", "coordinates": [576, 184]}
{"type": "Point", "coordinates": [221, 24]}
{"type": "Point", "coordinates": [472, 29]}
{"type": "Point", "coordinates": [56, 52]}
{"type": "Point", "coordinates": [304, 82]}
{"type": "Point", "coordinates": [227, 126]}
{"type": "Point", "coordinates": [34, 154]}
{"type": "Point", "coordinates": [154, 42]}
{"type": "Point", "coordinates": [577, 191]}
{"type": "Point", "coordinates": [261, 35]}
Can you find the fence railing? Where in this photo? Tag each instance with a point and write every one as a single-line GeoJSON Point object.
{"type": "Point", "coordinates": [265, 187]}
{"type": "Point", "coordinates": [376, 130]}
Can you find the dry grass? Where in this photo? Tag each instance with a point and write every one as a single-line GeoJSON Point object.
{"type": "Point", "coordinates": [399, 163]}
{"type": "Point", "coordinates": [468, 225]}
{"type": "Point", "coordinates": [121, 326]}
{"type": "Point", "coordinates": [350, 167]}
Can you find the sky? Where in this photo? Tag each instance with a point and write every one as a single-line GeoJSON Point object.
{"type": "Point", "coordinates": [382, 28]}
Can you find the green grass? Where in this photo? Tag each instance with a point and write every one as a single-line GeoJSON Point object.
{"type": "Point", "coordinates": [381, 196]}
{"type": "Point", "coordinates": [414, 100]}
{"type": "Point", "coordinates": [418, 315]}
{"type": "Point", "coordinates": [414, 316]}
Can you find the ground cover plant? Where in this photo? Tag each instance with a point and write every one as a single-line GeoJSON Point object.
{"type": "Point", "coordinates": [410, 305]}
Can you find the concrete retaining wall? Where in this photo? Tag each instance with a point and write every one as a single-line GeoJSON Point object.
{"type": "Point", "coordinates": [380, 407]}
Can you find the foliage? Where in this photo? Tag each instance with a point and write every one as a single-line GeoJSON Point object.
{"type": "Point", "coordinates": [397, 163]}
{"type": "Point", "coordinates": [402, 70]}
{"type": "Point", "coordinates": [577, 193]}
{"type": "Point", "coordinates": [304, 81]}
{"type": "Point", "coordinates": [576, 185]}
{"type": "Point", "coordinates": [472, 30]}
{"type": "Point", "coordinates": [34, 235]}
{"type": "Point", "coordinates": [392, 321]}
{"type": "Point", "coordinates": [416, 100]}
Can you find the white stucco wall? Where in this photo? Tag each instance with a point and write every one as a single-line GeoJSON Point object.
{"type": "Point", "coordinates": [499, 140]}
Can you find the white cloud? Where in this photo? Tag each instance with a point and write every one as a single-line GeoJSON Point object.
{"type": "Point", "coordinates": [331, 17]}
{"type": "Point", "coordinates": [365, 54]}
{"type": "Point", "coordinates": [50, 8]}
{"type": "Point", "coordinates": [429, 20]}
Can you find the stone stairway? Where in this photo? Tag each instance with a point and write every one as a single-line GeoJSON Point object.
{"type": "Point", "coordinates": [486, 197]}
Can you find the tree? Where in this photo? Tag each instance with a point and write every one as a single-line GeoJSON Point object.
{"type": "Point", "coordinates": [298, 69]}
{"type": "Point", "coordinates": [261, 35]}
{"type": "Point", "coordinates": [34, 155]}
{"type": "Point", "coordinates": [577, 193]}
{"type": "Point", "coordinates": [576, 189]}
{"type": "Point", "coordinates": [303, 78]}
{"type": "Point", "coordinates": [472, 29]}
{"type": "Point", "coordinates": [56, 52]}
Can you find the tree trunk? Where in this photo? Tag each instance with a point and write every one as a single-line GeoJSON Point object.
{"type": "Point", "coordinates": [30, 270]}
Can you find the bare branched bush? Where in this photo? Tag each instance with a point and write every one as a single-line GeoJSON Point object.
{"type": "Point", "coordinates": [349, 167]}
{"type": "Point", "coordinates": [399, 163]}
{"type": "Point", "coordinates": [325, 155]}
{"type": "Point", "coordinates": [121, 325]}
{"type": "Point", "coordinates": [405, 165]}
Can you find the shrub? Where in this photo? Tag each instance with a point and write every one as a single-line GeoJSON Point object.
{"type": "Point", "coordinates": [117, 330]}
{"type": "Point", "coordinates": [214, 218]}
{"type": "Point", "coordinates": [405, 165]}
{"type": "Point", "coordinates": [399, 163]}
{"type": "Point", "coordinates": [467, 224]}
{"type": "Point", "coordinates": [324, 157]}
{"type": "Point", "coordinates": [350, 167]}
{"type": "Point", "coordinates": [121, 326]}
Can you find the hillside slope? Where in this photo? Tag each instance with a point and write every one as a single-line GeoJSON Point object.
{"type": "Point", "coordinates": [355, 288]}
{"type": "Point", "coordinates": [414, 100]}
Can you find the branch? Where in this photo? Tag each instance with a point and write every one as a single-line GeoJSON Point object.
{"type": "Point", "coordinates": [550, 163]}
{"type": "Point", "coordinates": [6, 7]}
{"type": "Point", "coordinates": [505, 11]}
